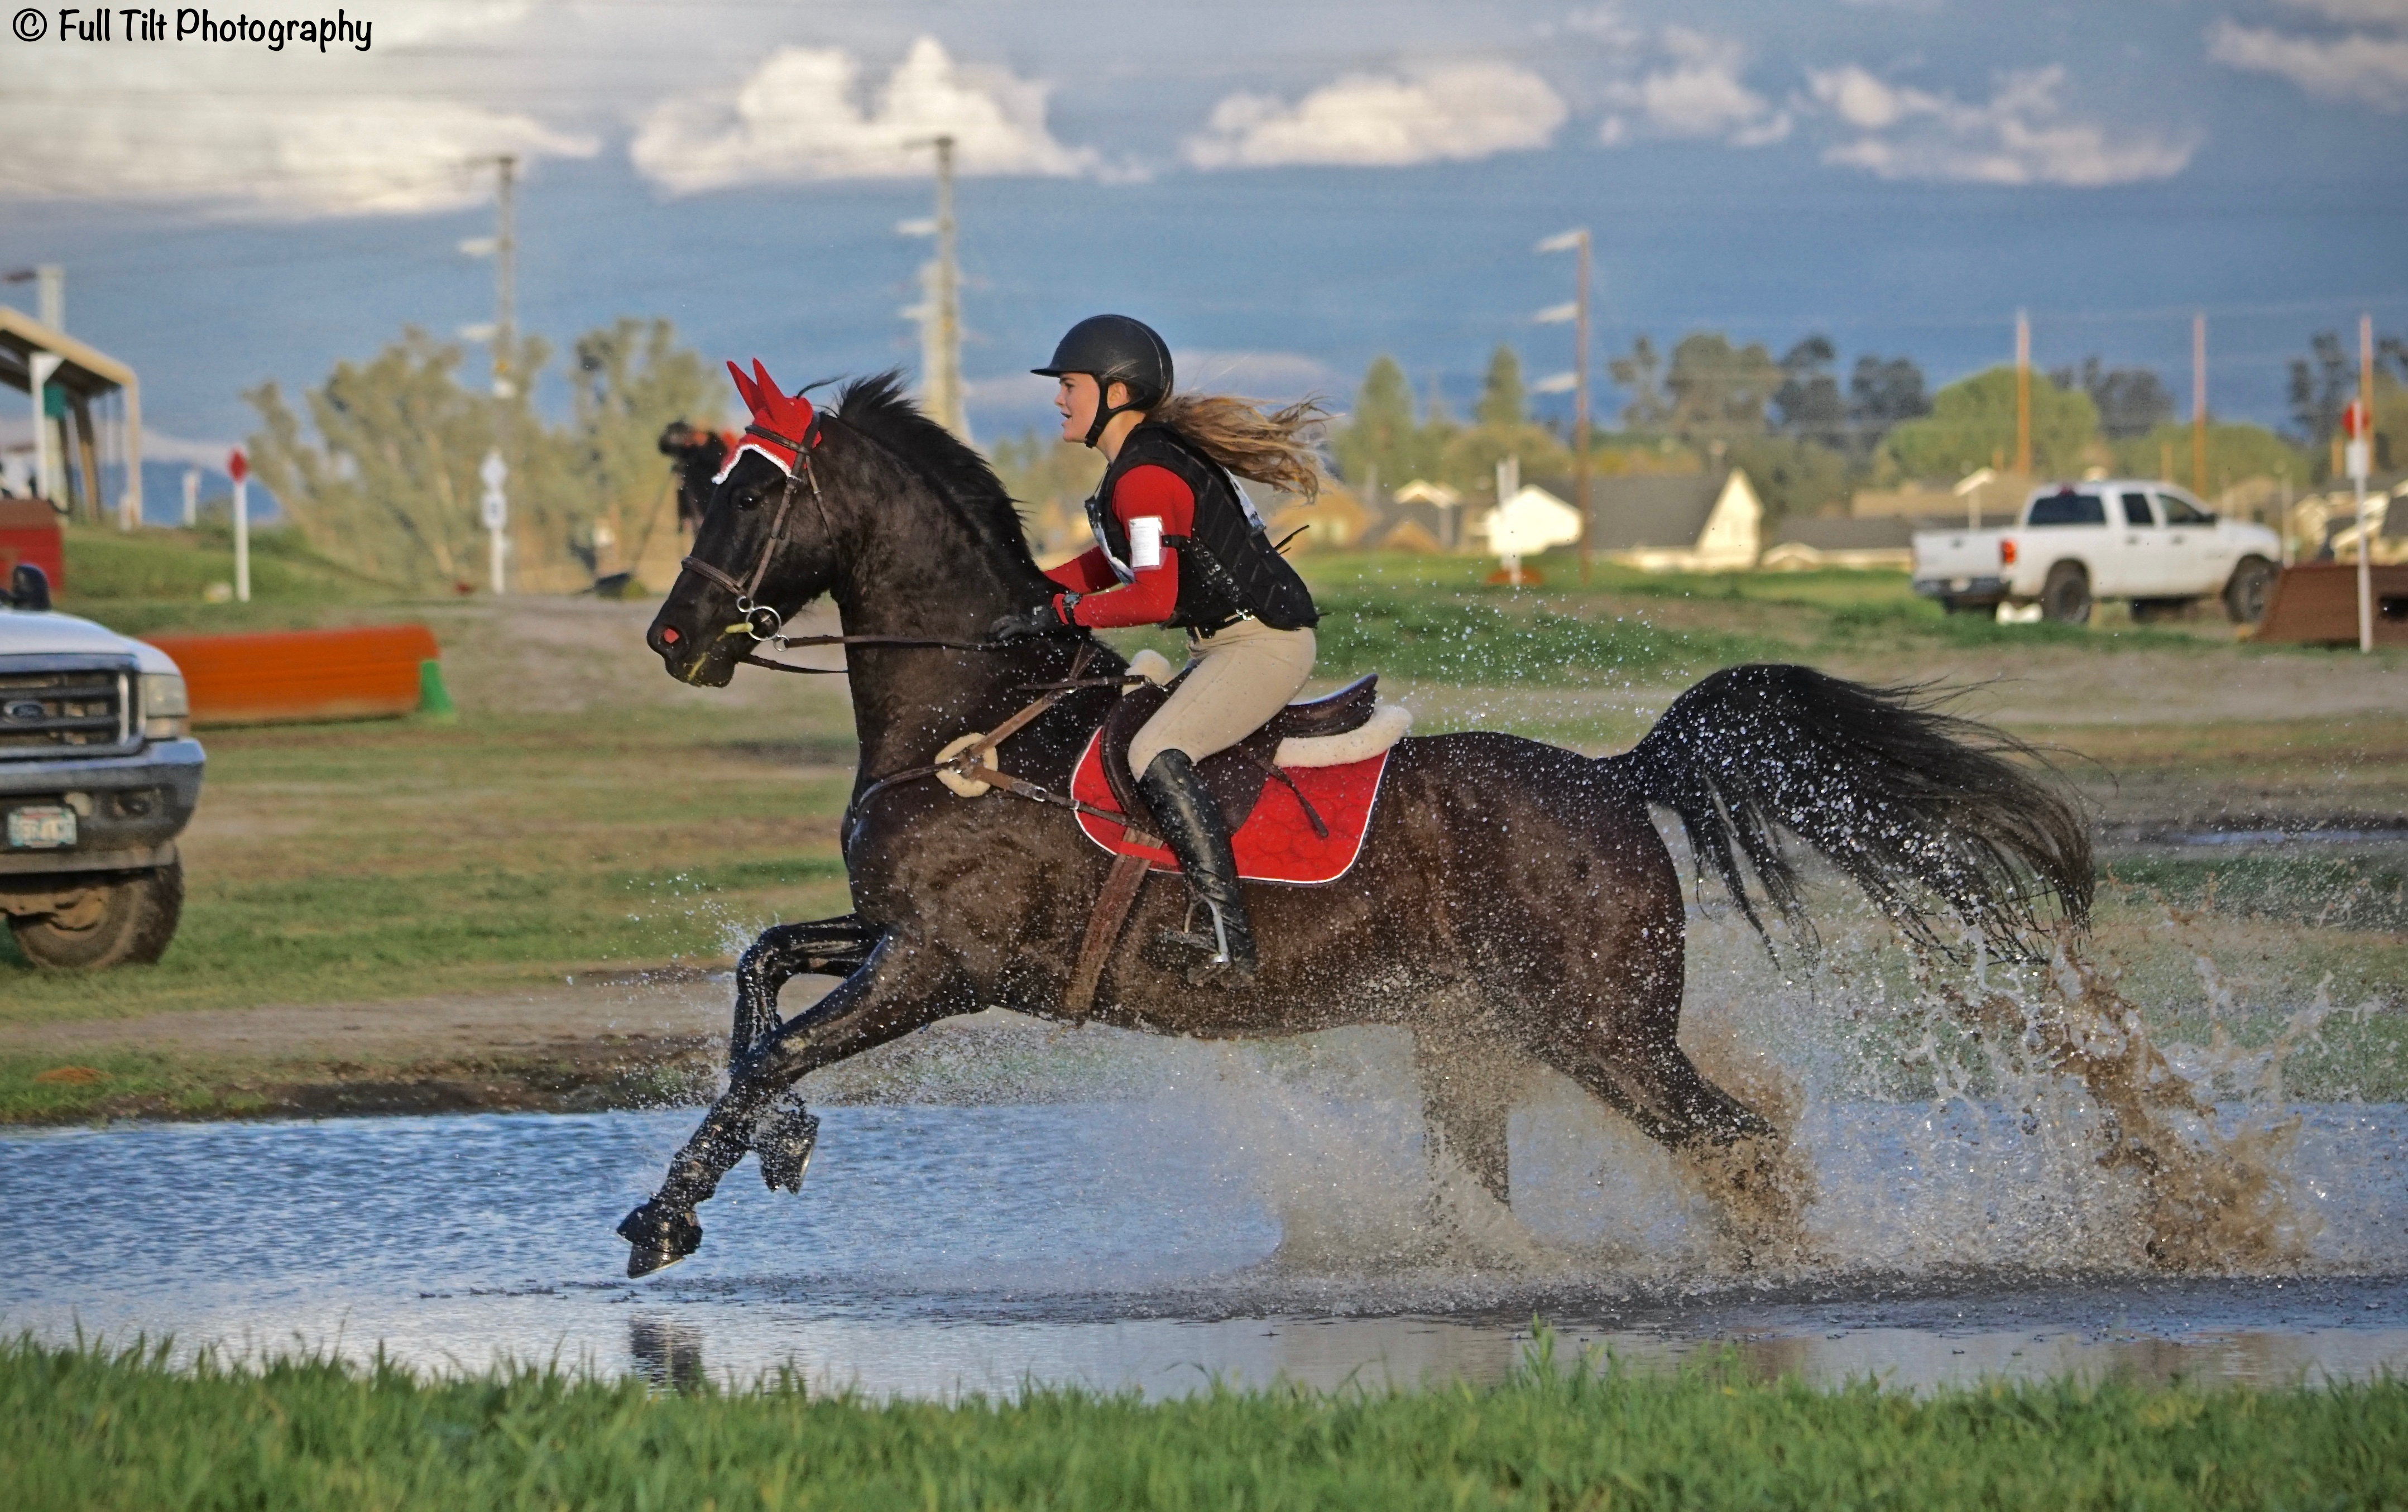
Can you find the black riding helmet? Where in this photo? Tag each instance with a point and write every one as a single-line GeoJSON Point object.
{"type": "Point", "coordinates": [1114, 349]}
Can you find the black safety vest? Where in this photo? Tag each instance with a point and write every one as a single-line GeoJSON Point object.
{"type": "Point", "coordinates": [1226, 566]}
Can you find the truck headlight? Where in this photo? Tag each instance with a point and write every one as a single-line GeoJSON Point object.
{"type": "Point", "coordinates": [167, 708]}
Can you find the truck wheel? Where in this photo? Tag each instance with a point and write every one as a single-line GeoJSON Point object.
{"type": "Point", "coordinates": [125, 920]}
{"type": "Point", "coordinates": [2065, 596]}
{"type": "Point", "coordinates": [2245, 596]}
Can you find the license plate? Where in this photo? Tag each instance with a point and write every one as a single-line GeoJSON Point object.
{"type": "Point", "coordinates": [41, 829]}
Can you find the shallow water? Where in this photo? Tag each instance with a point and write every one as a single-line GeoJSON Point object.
{"type": "Point", "coordinates": [1230, 1223]}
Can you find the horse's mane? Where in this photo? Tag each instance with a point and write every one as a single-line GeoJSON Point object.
{"type": "Point", "coordinates": [878, 407]}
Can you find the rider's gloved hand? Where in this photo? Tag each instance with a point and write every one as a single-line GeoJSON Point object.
{"type": "Point", "coordinates": [1041, 620]}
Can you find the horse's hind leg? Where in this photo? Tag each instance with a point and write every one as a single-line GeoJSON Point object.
{"type": "Point", "coordinates": [1467, 1087]}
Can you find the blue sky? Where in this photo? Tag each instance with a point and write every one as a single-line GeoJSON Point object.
{"type": "Point", "coordinates": [1285, 190]}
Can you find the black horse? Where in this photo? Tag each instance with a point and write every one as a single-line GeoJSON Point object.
{"type": "Point", "coordinates": [1513, 898]}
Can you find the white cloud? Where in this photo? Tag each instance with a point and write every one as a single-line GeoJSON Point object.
{"type": "Point", "coordinates": [1457, 113]}
{"type": "Point", "coordinates": [242, 130]}
{"type": "Point", "coordinates": [2020, 135]}
{"type": "Point", "coordinates": [799, 116]}
{"type": "Point", "coordinates": [2377, 12]}
{"type": "Point", "coordinates": [1692, 88]}
{"type": "Point", "coordinates": [2356, 66]}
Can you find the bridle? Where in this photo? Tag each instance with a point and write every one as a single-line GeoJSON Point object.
{"type": "Point", "coordinates": [760, 621]}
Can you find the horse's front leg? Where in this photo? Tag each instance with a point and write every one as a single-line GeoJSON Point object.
{"type": "Point", "coordinates": [832, 947]}
{"type": "Point", "coordinates": [899, 988]}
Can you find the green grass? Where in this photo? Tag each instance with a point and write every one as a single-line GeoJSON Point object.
{"type": "Point", "coordinates": [178, 567]}
{"type": "Point", "coordinates": [87, 1428]}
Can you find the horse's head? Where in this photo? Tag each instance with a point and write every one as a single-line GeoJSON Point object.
{"type": "Point", "coordinates": [764, 548]}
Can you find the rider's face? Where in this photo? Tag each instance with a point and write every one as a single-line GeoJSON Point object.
{"type": "Point", "coordinates": [1075, 396]}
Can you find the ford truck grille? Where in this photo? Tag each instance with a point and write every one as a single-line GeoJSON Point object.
{"type": "Point", "coordinates": [54, 704]}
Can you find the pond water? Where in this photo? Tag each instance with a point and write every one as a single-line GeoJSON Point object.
{"type": "Point", "coordinates": [1230, 1223]}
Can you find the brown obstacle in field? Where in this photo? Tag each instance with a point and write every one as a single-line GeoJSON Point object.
{"type": "Point", "coordinates": [371, 672]}
{"type": "Point", "coordinates": [2315, 603]}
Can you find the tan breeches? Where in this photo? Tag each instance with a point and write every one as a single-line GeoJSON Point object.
{"type": "Point", "coordinates": [1235, 682]}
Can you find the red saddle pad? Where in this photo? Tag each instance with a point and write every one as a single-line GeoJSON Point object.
{"type": "Point", "coordinates": [1277, 843]}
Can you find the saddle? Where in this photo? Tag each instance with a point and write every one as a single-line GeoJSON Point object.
{"type": "Point", "coordinates": [1234, 777]}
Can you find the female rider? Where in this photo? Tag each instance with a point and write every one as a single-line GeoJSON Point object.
{"type": "Point", "coordinates": [1177, 544]}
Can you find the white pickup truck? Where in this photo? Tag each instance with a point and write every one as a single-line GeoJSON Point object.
{"type": "Point", "coordinates": [2075, 543]}
{"type": "Point", "coordinates": [98, 775]}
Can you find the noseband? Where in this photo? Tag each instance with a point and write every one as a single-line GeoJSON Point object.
{"type": "Point", "coordinates": [760, 621]}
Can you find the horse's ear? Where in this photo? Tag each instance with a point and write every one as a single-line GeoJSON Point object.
{"type": "Point", "coordinates": [768, 384]}
{"type": "Point", "coordinates": [744, 388]}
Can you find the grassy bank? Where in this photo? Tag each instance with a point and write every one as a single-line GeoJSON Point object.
{"type": "Point", "coordinates": [82, 1428]}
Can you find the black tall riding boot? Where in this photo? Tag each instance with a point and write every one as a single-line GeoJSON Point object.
{"type": "Point", "coordinates": [1191, 822]}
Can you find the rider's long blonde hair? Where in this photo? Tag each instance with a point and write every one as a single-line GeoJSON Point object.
{"type": "Point", "coordinates": [1266, 445]}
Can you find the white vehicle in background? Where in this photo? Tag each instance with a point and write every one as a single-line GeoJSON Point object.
{"type": "Point", "coordinates": [98, 775]}
{"type": "Point", "coordinates": [2077, 543]}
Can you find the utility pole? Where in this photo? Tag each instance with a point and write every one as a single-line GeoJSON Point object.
{"type": "Point", "coordinates": [2361, 450]}
{"type": "Point", "coordinates": [2199, 403]}
{"type": "Point", "coordinates": [1578, 242]}
{"type": "Point", "coordinates": [2023, 394]}
{"type": "Point", "coordinates": [940, 310]}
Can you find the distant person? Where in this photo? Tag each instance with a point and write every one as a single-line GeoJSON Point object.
{"type": "Point", "coordinates": [699, 456]}
{"type": "Point", "coordinates": [1177, 544]}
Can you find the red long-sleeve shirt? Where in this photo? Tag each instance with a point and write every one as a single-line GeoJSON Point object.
{"type": "Point", "coordinates": [1106, 602]}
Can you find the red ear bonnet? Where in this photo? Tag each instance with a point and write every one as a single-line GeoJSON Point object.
{"type": "Point", "coordinates": [784, 426]}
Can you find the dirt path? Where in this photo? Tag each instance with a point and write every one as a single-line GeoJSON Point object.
{"type": "Point", "coordinates": [681, 1010]}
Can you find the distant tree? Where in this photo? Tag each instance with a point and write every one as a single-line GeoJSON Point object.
{"type": "Point", "coordinates": [1468, 458]}
{"type": "Point", "coordinates": [1502, 403]}
{"type": "Point", "coordinates": [1792, 475]}
{"type": "Point", "coordinates": [1884, 393]}
{"type": "Point", "coordinates": [1808, 399]}
{"type": "Point", "coordinates": [389, 484]}
{"type": "Point", "coordinates": [1382, 437]}
{"type": "Point", "coordinates": [629, 381]}
{"type": "Point", "coordinates": [1720, 390]}
{"type": "Point", "coordinates": [1640, 376]}
{"type": "Point", "coordinates": [2131, 401]}
{"type": "Point", "coordinates": [1974, 420]}
{"type": "Point", "coordinates": [2235, 453]}
{"type": "Point", "coordinates": [2321, 386]}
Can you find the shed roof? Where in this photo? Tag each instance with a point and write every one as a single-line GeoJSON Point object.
{"type": "Point", "coordinates": [1630, 513]}
{"type": "Point", "coordinates": [87, 371]}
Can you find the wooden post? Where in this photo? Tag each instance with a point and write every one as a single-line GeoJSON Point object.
{"type": "Point", "coordinates": [2365, 460]}
{"type": "Point", "coordinates": [2023, 394]}
{"type": "Point", "coordinates": [1579, 404]}
{"type": "Point", "coordinates": [2199, 405]}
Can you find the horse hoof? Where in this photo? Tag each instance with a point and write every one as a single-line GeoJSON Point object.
{"type": "Point", "coordinates": [783, 1141]}
{"type": "Point", "coordinates": [658, 1238]}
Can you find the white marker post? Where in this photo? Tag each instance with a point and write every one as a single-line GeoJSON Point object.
{"type": "Point", "coordinates": [497, 507]}
{"type": "Point", "coordinates": [191, 497]}
{"type": "Point", "coordinates": [2354, 424]}
{"type": "Point", "coordinates": [238, 468]}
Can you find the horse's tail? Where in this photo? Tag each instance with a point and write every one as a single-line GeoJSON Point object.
{"type": "Point", "coordinates": [1914, 804]}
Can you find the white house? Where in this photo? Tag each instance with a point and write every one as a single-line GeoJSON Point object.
{"type": "Point", "coordinates": [1527, 523]}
